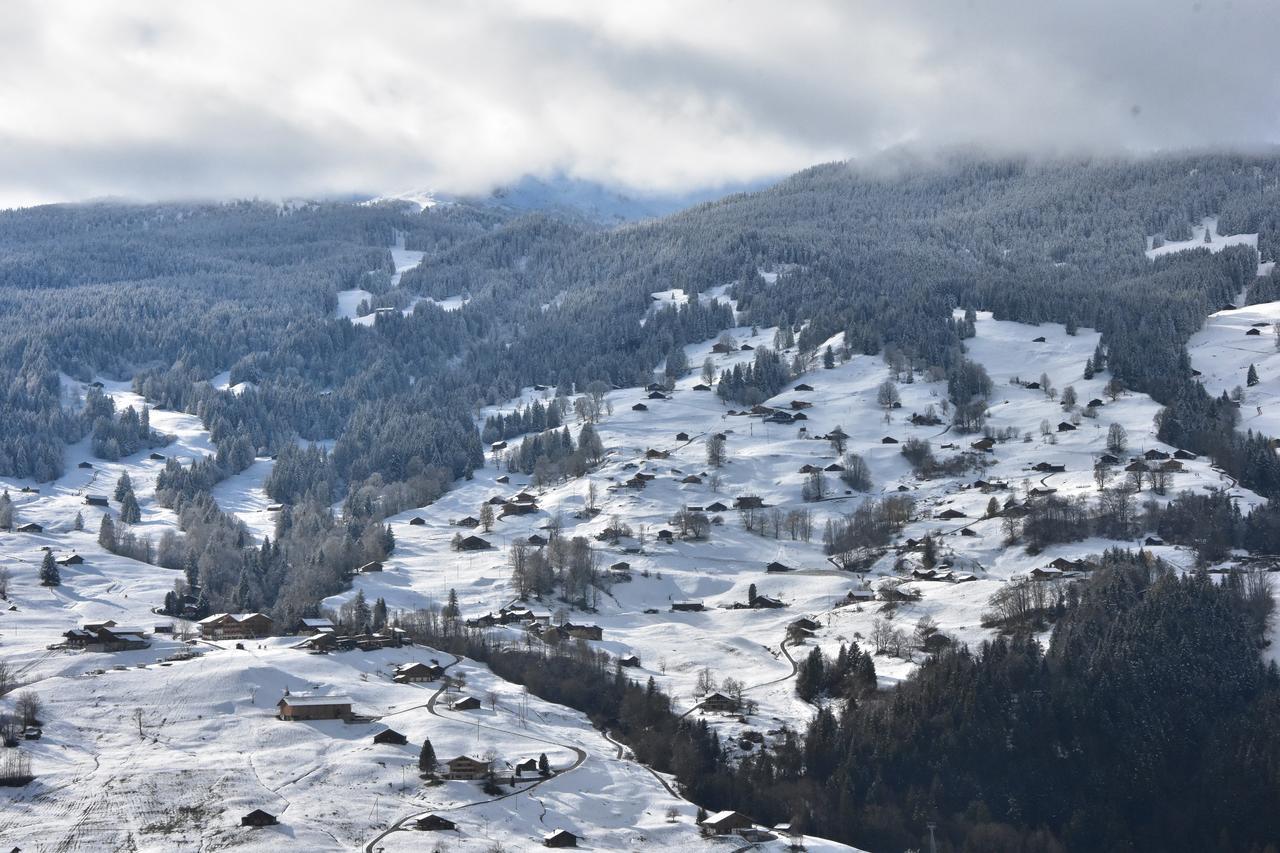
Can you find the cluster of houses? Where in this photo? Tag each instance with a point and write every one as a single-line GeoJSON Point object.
{"type": "Point", "coordinates": [331, 641]}
{"type": "Point", "coordinates": [106, 637]}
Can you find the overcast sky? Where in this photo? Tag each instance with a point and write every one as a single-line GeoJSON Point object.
{"type": "Point", "coordinates": [272, 98]}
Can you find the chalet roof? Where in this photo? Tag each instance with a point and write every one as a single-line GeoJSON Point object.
{"type": "Point", "coordinates": [317, 623]}
{"type": "Point", "coordinates": [299, 700]}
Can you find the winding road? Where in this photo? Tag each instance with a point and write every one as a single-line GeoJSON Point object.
{"type": "Point", "coordinates": [580, 756]}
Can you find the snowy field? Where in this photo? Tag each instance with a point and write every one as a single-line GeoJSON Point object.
{"type": "Point", "coordinates": [210, 749]}
{"type": "Point", "coordinates": [1216, 242]}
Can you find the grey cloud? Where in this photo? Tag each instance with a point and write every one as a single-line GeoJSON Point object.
{"type": "Point", "coordinates": [151, 99]}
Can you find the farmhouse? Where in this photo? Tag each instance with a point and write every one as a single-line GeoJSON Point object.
{"type": "Point", "coordinates": [468, 521]}
{"type": "Point", "coordinates": [1048, 468]}
{"type": "Point", "coordinates": [701, 387]}
{"type": "Point", "coordinates": [85, 465]}
{"type": "Point", "coordinates": [473, 543]}
{"type": "Point", "coordinates": [719, 703]}
{"type": "Point", "coordinates": [29, 527]}
{"type": "Point", "coordinates": [1155, 455]}
{"type": "Point", "coordinates": [390, 736]}
{"type": "Point", "coordinates": [157, 457]}
{"type": "Point", "coordinates": [583, 632]}
{"type": "Point", "coordinates": [1063, 426]}
{"type": "Point", "coordinates": [314, 706]}
{"type": "Point", "coordinates": [777, 568]}
{"type": "Point", "coordinates": [688, 606]}
{"type": "Point", "coordinates": [948, 514]}
{"type": "Point", "coordinates": [726, 823]}
{"type": "Point", "coordinates": [416, 673]}
{"type": "Point", "coordinates": [1185, 455]}
{"type": "Point", "coordinates": [639, 407]}
{"type": "Point", "coordinates": [95, 500]}
{"type": "Point", "coordinates": [748, 502]}
{"type": "Point", "coordinates": [681, 436]}
{"type": "Point", "coordinates": [73, 560]}
{"type": "Point", "coordinates": [984, 444]}
{"type": "Point", "coordinates": [310, 626]}
{"type": "Point", "coordinates": [716, 507]}
{"type": "Point", "coordinates": [1108, 459]}
{"type": "Point", "coordinates": [434, 823]}
{"type": "Point", "coordinates": [888, 439]}
{"type": "Point", "coordinates": [560, 838]}
{"type": "Point", "coordinates": [258, 817]}
{"type": "Point", "coordinates": [803, 387]}
{"type": "Point", "coordinates": [235, 626]}
{"type": "Point", "coordinates": [466, 768]}
{"type": "Point", "coordinates": [465, 703]}
{"type": "Point", "coordinates": [630, 661]}
{"type": "Point", "coordinates": [417, 521]}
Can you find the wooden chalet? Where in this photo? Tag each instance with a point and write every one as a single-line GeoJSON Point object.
{"type": "Point", "coordinates": [314, 706]}
{"type": "Point", "coordinates": [949, 514]}
{"type": "Point", "coordinates": [583, 632]}
{"type": "Point", "coordinates": [701, 386]}
{"type": "Point", "coordinates": [766, 602]}
{"type": "Point", "coordinates": [72, 560]}
{"type": "Point", "coordinates": [657, 395]}
{"type": "Point", "coordinates": [465, 767]}
{"type": "Point", "coordinates": [888, 439]}
{"type": "Point", "coordinates": [536, 540]}
{"type": "Point", "coordinates": [29, 527]}
{"type": "Point", "coordinates": [682, 436]}
{"type": "Point", "coordinates": [1184, 455]}
{"type": "Point", "coordinates": [235, 626]}
{"type": "Point", "coordinates": [390, 736]}
{"type": "Point", "coordinates": [1155, 455]}
{"type": "Point", "coordinates": [95, 500]}
{"type": "Point", "coordinates": [465, 703]}
{"type": "Point", "coordinates": [688, 606]}
{"type": "Point", "coordinates": [748, 502]}
{"type": "Point", "coordinates": [630, 661]}
{"type": "Point", "coordinates": [1064, 426]}
{"type": "Point", "coordinates": [639, 407]}
{"type": "Point", "coordinates": [561, 838]}
{"type": "Point", "coordinates": [692, 480]}
{"type": "Point", "coordinates": [1048, 468]}
{"type": "Point", "coordinates": [716, 507]}
{"type": "Point", "coordinates": [473, 543]}
{"type": "Point", "coordinates": [775, 568]}
{"type": "Point", "coordinates": [1038, 340]}
{"type": "Point", "coordinates": [258, 817]}
{"type": "Point", "coordinates": [468, 521]}
{"type": "Point", "coordinates": [719, 703]}
{"type": "Point", "coordinates": [311, 626]}
{"type": "Point", "coordinates": [87, 466]}
{"type": "Point", "coordinates": [1153, 541]}
{"type": "Point", "coordinates": [986, 445]}
{"type": "Point", "coordinates": [157, 457]}
{"type": "Point", "coordinates": [1095, 403]}
{"type": "Point", "coordinates": [1108, 459]}
{"type": "Point", "coordinates": [434, 823]}
{"type": "Point", "coordinates": [417, 673]}
{"type": "Point", "coordinates": [803, 387]}
{"type": "Point", "coordinates": [1253, 332]}
{"type": "Point", "coordinates": [369, 567]}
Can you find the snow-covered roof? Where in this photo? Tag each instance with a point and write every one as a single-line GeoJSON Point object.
{"type": "Point", "coordinates": [300, 699]}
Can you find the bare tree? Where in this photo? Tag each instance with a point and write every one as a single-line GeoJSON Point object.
{"type": "Point", "coordinates": [28, 708]}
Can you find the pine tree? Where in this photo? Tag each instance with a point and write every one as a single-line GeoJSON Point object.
{"type": "Point", "coordinates": [130, 512]}
{"type": "Point", "coordinates": [828, 359]}
{"type": "Point", "coordinates": [451, 610]}
{"type": "Point", "coordinates": [427, 757]}
{"type": "Point", "coordinates": [1252, 378]}
{"type": "Point", "coordinates": [49, 574]}
{"type": "Point", "coordinates": [79, 522]}
{"type": "Point", "coordinates": [107, 534]}
{"type": "Point", "coordinates": [544, 766]}
{"type": "Point", "coordinates": [123, 486]}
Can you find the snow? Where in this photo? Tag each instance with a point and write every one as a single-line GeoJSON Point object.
{"type": "Point", "coordinates": [211, 749]}
{"type": "Point", "coordinates": [1217, 242]}
{"type": "Point", "coordinates": [1223, 351]}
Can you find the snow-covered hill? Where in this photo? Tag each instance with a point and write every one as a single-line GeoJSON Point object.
{"type": "Point", "coordinates": [210, 749]}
